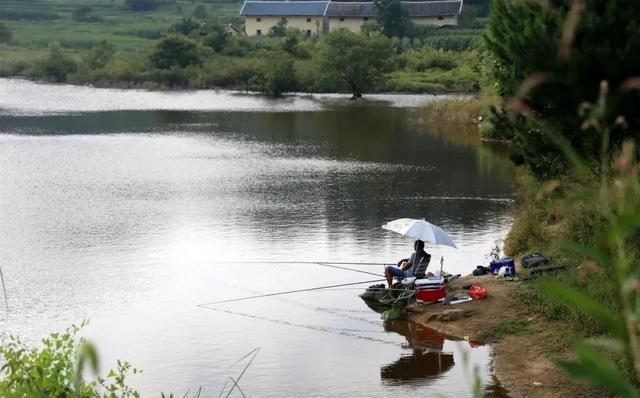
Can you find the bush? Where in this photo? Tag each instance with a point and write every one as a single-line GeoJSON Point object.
{"type": "Point", "coordinates": [200, 12]}
{"type": "Point", "coordinates": [56, 67]}
{"type": "Point", "coordinates": [185, 26]}
{"type": "Point", "coordinates": [175, 51]}
{"type": "Point", "coordinates": [56, 370]}
{"type": "Point", "coordinates": [100, 55]}
{"type": "Point", "coordinates": [553, 59]}
{"type": "Point", "coordinates": [83, 14]}
{"type": "Point", "coordinates": [6, 37]}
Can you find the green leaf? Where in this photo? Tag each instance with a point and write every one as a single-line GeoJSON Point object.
{"type": "Point", "coordinates": [597, 368]}
{"type": "Point", "coordinates": [607, 343]}
{"type": "Point", "coordinates": [586, 304]}
{"type": "Point", "coordinates": [625, 226]}
{"type": "Point", "coordinates": [588, 251]}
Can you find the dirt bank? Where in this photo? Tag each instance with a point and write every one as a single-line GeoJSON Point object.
{"type": "Point", "coordinates": [522, 361]}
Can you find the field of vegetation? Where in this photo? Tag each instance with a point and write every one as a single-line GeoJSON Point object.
{"type": "Point", "coordinates": [121, 42]}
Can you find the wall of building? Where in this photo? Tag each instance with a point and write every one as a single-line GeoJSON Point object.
{"type": "Point", "coordinates": [435, 21]}
{"type": "Point", "coordinates": [312, 24]}
{"type": "Point", "coordinates": [352, 24]}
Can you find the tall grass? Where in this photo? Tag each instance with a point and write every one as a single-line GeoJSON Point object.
{"type": "Point", "coordinates": [589, 222]}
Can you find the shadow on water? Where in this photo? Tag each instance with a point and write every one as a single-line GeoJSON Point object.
{"type": "Point", "coordinates": [427, 358]}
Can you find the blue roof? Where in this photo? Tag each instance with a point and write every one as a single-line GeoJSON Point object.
{"type": "Point", "coordinates": [283, 8]}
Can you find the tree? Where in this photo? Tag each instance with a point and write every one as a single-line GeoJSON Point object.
{"type": "Point", "coordinates": [83, 14]}
{"type": "Point", "coordinates": [57, 66]}
{"type": "Point", "coordinates": [184, 26]}
{"type": "Point", "coordinates": [290, 42]}
{"type": "Point", "coordinates": [200, 12]}
{"type": "Point", "coordinates": [275, 74]}
{"type": "Point", "coordinates": [6, 37]}
{"type": "Point", "coordinates": [355, 60]}
{"type": "Point", "coordinates": [141, 5]}
{"type": "Point", "coordinates": [562, 53]}
{"type": "Point", "coordinates": [100, 55]}
{"type": "Point", "coordinates": [279, 29]}
{"type": "Point", "coordinates": [216, 38]}
{"type": "Point", "coordinates": [175, 51]}
{"type": "Point", "coordinates": [393, 18]}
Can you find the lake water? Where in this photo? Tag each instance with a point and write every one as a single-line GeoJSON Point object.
{"type": "Point", "coordinates": [130, 208]}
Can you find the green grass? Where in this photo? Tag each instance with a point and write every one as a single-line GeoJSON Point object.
{"type": "Point", "coordinates": [125, 29]}
{"type": "Point", "coordinates": [502, 329]}
{"type": "Point", "coordinates": [460, 80]}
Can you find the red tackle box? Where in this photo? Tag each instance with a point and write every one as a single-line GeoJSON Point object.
{"type": "Point", "coordinates": [430, 289]}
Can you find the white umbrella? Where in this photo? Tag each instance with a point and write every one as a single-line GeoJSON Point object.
{"type": "Point", "coordinates": [420, 229]}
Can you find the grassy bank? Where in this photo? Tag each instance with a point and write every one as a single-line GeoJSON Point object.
{"type": "Point", "coordinates": [107, 43]}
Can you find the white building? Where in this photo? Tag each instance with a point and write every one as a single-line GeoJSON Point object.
{"type": "Point", "coordinates": [317, 17]}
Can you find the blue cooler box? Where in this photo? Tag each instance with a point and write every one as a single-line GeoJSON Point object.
{"type": "Point", "coordinates": [495, 266]}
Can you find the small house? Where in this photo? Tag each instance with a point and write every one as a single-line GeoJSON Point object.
{"type": "Point", "coordinates": [317, 17]}
{"type": "Point", "coordinates": [261, 16]}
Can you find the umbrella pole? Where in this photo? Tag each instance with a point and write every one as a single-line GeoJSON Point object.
{"type": "Point", "coordinates": [441, 263]}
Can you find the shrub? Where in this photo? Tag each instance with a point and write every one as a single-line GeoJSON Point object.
{"type": "Point", "coordinates": [185, 26]}
{"type": "Point", "coordinates": [100, 55]}
{"type": "Point", "coordinates": [56, 66]}
{"type": "Point", "coordinates": [200, 12]}
{"type": "Point", "coordinates": [6, 37]}
{"type": "Point", "coordinates": [553, 59]}
{"type": "Point", "coordinates": [83, 14]}
{"type": "Point", "coordinates": [175, 51]}
{"type": "Point", "coordinates": [56, 370]}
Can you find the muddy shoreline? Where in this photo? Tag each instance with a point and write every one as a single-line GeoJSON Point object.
{"type": "Point", "coordinates": [523, 364]}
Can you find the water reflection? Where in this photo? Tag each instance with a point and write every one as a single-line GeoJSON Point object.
{"type": "Point", "coordinates": [427, 358]}
{"type": "Point", "coordinates": [126, 216]}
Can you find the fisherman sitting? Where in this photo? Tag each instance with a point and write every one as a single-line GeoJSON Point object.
{"type": "Point", "coordinates": [406, 268]}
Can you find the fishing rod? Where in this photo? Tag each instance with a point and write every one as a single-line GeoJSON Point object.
{"type": "Point", "coordinates": [206, 305]}
{"type": "Point", "coordinates": [329, 264]}
{"type": "Point", "coordinates": [298, 262]}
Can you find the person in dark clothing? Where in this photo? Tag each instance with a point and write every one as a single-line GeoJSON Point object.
{"type": "Point", "coordinates": [406, 267]}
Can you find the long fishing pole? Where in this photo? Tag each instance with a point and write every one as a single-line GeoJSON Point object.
{"type": "Point", "coordinates": [329, 264]}
{"type": "Point", "coordinates": [289, 292]}
{"type": "Point", "coordinates": [297, 262]}
{"type": "Point", "coordinates": [347, 269]}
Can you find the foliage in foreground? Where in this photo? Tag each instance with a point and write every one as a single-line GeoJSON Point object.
{"type": "Point", "coordinates": [589, 221]}
{"type": "Point", "coordinates": [551, 57]}
{"type": "Point", "coordinates": [56, 369]}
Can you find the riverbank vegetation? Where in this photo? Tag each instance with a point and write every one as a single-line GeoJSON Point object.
{"type": "Point", "coordinates": [566, 75]}
{"type": "Point", "coordinates": [57, 369]}
{"type": "Point", "coordinates": [176, 44]}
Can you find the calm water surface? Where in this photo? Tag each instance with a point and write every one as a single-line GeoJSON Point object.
{"type": "Point", "coordinates": [130, 208]}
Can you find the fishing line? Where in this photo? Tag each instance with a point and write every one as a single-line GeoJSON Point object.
{"type": "Point", "coordinates": [290, 292]}
{"type": "Point", "coordinates": [335, 331]}
{"type": "Point", "coordinates": [312, 307]}
{"type": "Point", "coordinates": [347, 269]}
{"type": "Point", "coordinates": [297, 262]}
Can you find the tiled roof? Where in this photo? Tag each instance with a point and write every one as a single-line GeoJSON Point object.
{"type": "Point", "coordinates": [432, 8]}
{"type": "Point", "coordinates": [283, 8]}
{"type": "Point", "coordinates": [351, 9]}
